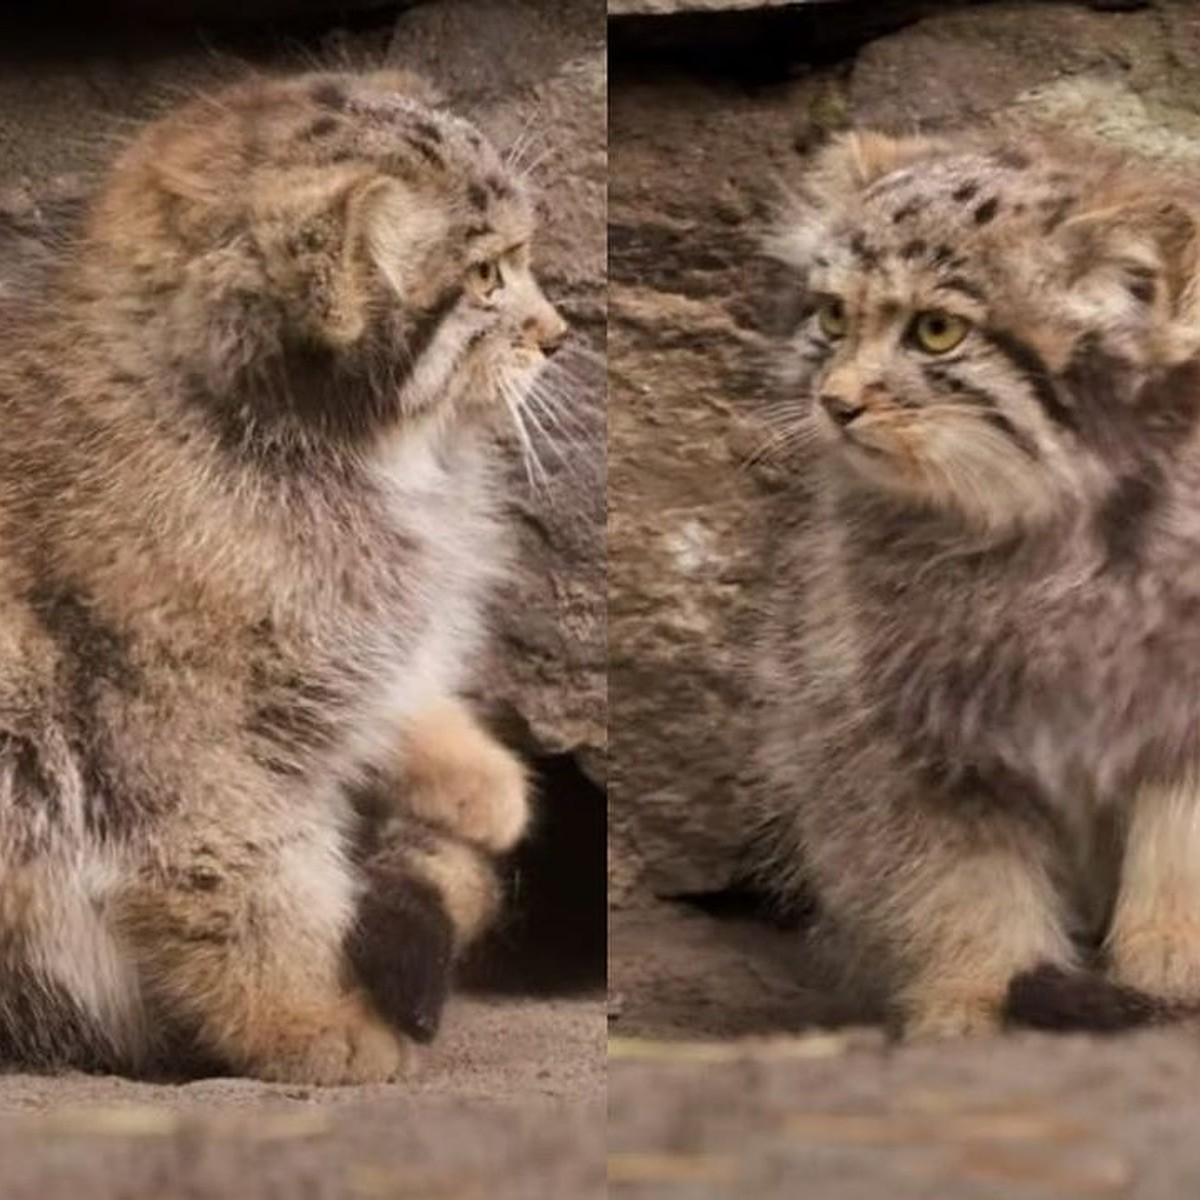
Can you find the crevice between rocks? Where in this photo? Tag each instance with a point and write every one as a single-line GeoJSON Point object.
{"type": "Point", "coordinates": [554, 937]}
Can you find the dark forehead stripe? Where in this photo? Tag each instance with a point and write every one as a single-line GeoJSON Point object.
{"type": "Point", "coordinates": [956, 283]}
{"type": "Point", "coordinates": [1028, 363]}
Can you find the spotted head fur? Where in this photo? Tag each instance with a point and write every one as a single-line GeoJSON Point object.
{"type": "Point", "coordinates": [319, 259]}
{"type": "Point", "coordinates": [1006, 333]}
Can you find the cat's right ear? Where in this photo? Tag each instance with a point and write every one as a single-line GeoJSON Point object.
{"type": "Point", "coordinates": [400, 231]}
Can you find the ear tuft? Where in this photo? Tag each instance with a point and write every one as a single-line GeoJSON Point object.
{"type": "Point", "coordinates": [856, 160]}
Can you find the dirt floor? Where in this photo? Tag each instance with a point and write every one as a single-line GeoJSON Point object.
{"type": "Point", "coordinates": [509, 1105]}
{"type": "Point", "coordinates": [722, 1085]}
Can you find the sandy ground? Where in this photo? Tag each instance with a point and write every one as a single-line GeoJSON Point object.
{"type": "Point", "coordinates": [721, 1087]}
{"type": "Point", "coordinates": [509, 1105]}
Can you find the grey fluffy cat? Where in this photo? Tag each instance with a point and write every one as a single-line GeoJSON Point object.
{"type": "Point", "coordinates": [980, 676]}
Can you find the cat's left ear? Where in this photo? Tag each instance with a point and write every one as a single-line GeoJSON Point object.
{"type": "Point", "coordinates": [327, 249]}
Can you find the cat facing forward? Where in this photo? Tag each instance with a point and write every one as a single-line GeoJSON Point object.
{"type": "Point", "coordinates": [979, 676]}
{"type": "Point", "coordinates": [247, 533]}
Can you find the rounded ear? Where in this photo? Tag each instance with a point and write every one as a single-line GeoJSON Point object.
{"type": "Point", "coordinates": [312, 232]}
{"type": "Point", "coordinates": [399, 230]}
{"type": "Point", "coordinates": [1142, 256]}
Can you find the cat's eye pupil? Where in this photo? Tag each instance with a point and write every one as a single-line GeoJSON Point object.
{"type": "Point", "coordinates": [832, 318]}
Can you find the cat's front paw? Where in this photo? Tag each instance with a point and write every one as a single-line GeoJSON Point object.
{"type": "Point", "coordinates": [1161, 960]}
{"type": "Point", "coordinates": [932, 1015]}
{"type": "Point", "coordinates": [469, 784]}
{"type": "Point", "coordinates": [349, 1045]}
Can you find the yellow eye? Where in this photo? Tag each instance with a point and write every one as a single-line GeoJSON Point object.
{"type": "Point", "coordinates": [485, 276]}
{"type": "Point", "coordinates": [831, 316]}
{"type": "Point", "coordinates": [939, 332]}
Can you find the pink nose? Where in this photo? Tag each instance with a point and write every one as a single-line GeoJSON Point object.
{"type": "Point", "coordinates": [547, 331]}
{"type": "Point", "coordinates": [842, 411]}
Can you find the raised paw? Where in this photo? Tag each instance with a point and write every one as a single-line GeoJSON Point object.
{"type": "Point", "coordinates": [458, 776]}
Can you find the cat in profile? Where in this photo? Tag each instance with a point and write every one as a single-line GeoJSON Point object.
{"type": "Point", "coordinates": [247, 531]}
{"type": "Point", "coordinates": [979, 676]}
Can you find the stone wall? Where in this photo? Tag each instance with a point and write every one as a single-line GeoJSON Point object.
{"type": "Point", "coordinates": [700, 141]}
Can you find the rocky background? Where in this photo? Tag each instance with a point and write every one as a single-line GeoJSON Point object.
{"type": "Point", "coordinates": [509, 1102]}
{"type": "Point", "coordinates": [714, 106]}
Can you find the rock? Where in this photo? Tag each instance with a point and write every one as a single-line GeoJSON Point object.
{"type": "Point", "coordinates": [991, 58]}
{"type": "Point", "coordinates": [692, 193]}
{"type": "Point", "coordinates": [655, 8]}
